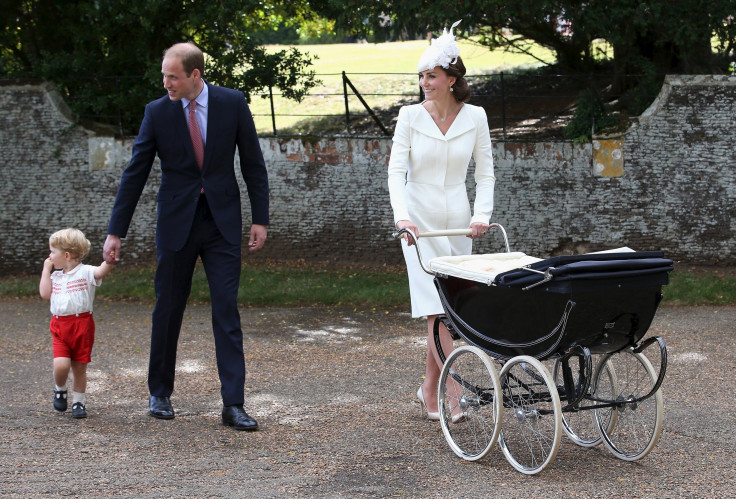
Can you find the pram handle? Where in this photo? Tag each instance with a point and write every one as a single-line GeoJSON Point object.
{"type": "Point", "coordinates": [446, 233]}
{"type": "Point", "coordinates": [464, 232]}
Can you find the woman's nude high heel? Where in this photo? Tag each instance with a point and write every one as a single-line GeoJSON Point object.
{"type": "Point", "coordinates": [458, 418]}
{"type": "Point", "coordinates": [432, 416]}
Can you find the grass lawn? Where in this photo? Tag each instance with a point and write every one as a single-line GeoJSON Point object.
{"type": "Point", "coordinates": [287, 284]}
{"type": "Point", "coordinates": [384, 73]}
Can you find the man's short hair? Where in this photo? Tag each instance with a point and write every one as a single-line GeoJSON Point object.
{"type": "Point", "coordinates": [189, 54]}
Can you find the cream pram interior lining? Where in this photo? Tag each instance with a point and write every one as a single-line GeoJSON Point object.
{"type": "Point", "coordinates": [484, 268]}
{"type": "Point", "coordinates": [480, 268]}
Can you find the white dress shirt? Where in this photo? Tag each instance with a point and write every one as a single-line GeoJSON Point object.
{"type": "Point", "coordinates": [200, 111]}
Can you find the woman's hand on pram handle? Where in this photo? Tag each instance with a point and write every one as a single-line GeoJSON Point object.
{"type": "Point", "coordinates": [408, 225]}
{"type": "Point", "coordinates": [478, 230]}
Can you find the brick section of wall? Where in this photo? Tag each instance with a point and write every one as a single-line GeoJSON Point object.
{"type": "Point", "coordinates": [673, 186]}
{"type": "Point", "coordinates": [330, 200]}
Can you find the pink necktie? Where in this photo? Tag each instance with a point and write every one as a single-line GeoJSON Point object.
{"type": "Point", "coordinates": [196, 134]}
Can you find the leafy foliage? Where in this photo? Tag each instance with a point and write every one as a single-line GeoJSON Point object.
{"type": "Point", "coordinates": [648, 38]}
{"type": "Point", "coordinates": [670, 35]}
{"type": "Point", "coordinates": [591, 115]}
{"type": "Point", "coordinates": [105, 56]}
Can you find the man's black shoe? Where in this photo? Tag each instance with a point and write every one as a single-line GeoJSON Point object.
{"type": "Point", "coordinates": [235, 416]}
{"type": "Point", "coordinates": [160, 407]}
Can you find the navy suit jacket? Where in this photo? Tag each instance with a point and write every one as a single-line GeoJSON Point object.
{"type": "Point", "coordinates": [164, 131]}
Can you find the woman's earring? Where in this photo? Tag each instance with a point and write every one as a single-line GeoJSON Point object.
{"type": "Point", "coordinates": [452, 89]}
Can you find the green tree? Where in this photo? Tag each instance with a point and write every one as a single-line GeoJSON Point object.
{"type": "Point", "coordinates": [649, 39]}
{"type": "Point", "coordinates": [105, 56]}
{"type": "Point", "coordinates": [656, 35]}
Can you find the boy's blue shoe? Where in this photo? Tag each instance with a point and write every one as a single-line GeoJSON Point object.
{"type": "Point", "coordinates": [78, 410]}
{"type": "Point", "coordinates": [60, 400]}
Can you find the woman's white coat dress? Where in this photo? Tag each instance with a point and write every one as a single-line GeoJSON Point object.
{"type": "Point", "coordinates": [426, 178]}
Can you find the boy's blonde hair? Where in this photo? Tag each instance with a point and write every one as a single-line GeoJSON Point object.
{"type": "Point", "coordinates": [71, 240]}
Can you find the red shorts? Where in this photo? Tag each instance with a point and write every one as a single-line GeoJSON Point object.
{"type": "Point", "coordinates": [73, 336]}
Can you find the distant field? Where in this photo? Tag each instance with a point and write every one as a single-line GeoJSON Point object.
{"type": "Point", "coordinates": [392, 76]}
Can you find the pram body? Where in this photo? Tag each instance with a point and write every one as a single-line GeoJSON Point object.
{"type": "Point", "coordinates": [603, 301]}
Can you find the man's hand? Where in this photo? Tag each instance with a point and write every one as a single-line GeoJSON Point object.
{"type": "Point", "coordinates": [111, 249]}
{"type": "Point", "coordinates": [257, 237]}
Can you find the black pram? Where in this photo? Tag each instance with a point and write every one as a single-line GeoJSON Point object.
{"type": "Point", "coordinates": [582, 315]}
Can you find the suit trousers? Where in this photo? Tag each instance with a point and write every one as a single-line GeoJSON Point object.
{"type": "Point", "coordinates": [173, 282]}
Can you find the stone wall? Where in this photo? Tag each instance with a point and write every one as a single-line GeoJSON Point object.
{"type": "Point", "coordinates": [47, 181]}
{"type": "Point", "coordinates": [667, 183]}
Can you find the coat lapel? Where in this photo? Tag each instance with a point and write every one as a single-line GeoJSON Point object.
{"type": "Point", "coordinates": [180, 128]}
{"type": "Point", "coordinates": [213, 103]}
{"type": "Point", "coordinates": [423, 123]}
{"type": "Point", "coordinates": [462, 124]}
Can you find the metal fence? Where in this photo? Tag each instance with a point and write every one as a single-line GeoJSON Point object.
{"type": "Point", "coordinates": [518, 105]}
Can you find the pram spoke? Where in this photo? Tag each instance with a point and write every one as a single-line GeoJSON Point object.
{"type": "Point", "coordinates": [531, 421]}
{"type": "Point", "coordinates": [632, 427]}
{"type": "Point", "coordinates": [469, 402]}
{"type": "Point", "coordinates": [579, 421]}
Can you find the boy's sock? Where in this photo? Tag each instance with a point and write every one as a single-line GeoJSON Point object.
{"type": "Point", "coordinates": [78, 397]}
{"type": "Point", "coordinates": [59, 388]}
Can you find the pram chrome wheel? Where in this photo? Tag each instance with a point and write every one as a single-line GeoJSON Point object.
{"type": "Point", "coordinates": [470, 403]}
{"type": "Point", "coordinates": [632, 428]}
{"type": "Point", "coordinates": [581, 425]}
{"type": "Point", "coordinates": [532, 415]}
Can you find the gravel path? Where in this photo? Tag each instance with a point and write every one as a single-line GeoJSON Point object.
{"type": "Point", "coordinates": [333, 390]}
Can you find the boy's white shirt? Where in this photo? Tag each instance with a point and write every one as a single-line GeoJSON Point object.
{"type": "Point", "coordinates": [73, 292]}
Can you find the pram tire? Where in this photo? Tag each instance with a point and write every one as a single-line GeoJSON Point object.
{"type": "Point", "coordinates": [469, 379]}
{"type": "Point", "coordinates": [531, 427]}
{"type": "Point", "coordinates": [636, 426]}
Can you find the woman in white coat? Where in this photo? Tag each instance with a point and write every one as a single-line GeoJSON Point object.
{"type": "Point", "coordinates": [432, 147]}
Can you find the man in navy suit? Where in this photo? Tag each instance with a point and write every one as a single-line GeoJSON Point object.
{"type": "Point", "coordinates": [199, 216]}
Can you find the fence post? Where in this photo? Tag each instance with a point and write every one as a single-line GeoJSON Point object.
{"type": "Point", "coordinates": [345, 96]}
{"type": "Point", "coordinates": [121, 129]}
{"type": "Point", "coordinates": [273, 112]}
{"type": "Point", "coordinates": [593, 96]}
{"type": "Point", "coordinates": [503, 107]}
{"type": "Point", "coordinates": [347, 81]}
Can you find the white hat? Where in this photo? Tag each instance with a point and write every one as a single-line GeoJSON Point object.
{"type": "Point", "coordinates": [442, 52]}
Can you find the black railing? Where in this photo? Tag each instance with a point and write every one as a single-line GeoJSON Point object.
{"type": "Point", "coordinates": [526, 104]}
{"type": "Point", "coordinates": [517, 105]}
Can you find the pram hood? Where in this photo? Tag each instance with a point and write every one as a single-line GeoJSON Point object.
{"type": "Point", "coordinates": [519, 269]}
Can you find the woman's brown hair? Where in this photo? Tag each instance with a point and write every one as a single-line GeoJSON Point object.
{"type": "Point", "coordinates": [461, 89]}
